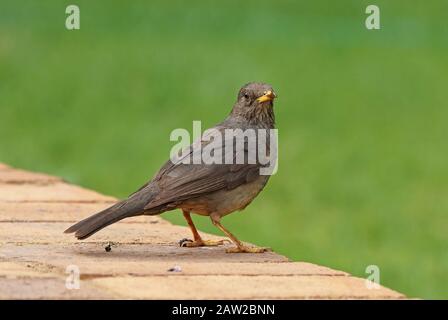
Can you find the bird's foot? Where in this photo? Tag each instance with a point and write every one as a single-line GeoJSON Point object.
{"type": "Point", "coordinates": [201, 243]}
{"type": "Point", "coordinates": [246, 249]}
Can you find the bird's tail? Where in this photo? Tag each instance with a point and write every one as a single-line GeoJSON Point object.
{"type": "Point", "coordinates": [126, 208]}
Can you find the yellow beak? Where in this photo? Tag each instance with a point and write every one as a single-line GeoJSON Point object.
{"type": "Point", "coordinates": [267, 96]}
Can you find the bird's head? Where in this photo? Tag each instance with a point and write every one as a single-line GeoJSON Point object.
{"type": "Point", "coordinates": [255, 102]}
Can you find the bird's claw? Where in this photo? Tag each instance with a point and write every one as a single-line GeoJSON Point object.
{"type": "Point", "coordinates": [201, 243]}
{"type": "Point", "coordinates": [183, 242]}
{"type": "Point", "coordinates": [245, 249]}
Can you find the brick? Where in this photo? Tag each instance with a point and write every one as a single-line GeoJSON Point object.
{"type": "Point", "coordinates": [60, 212]}
{"type": "Point", "coordinates": [4, 166]}
{"type": "Point", "coordinates": [57, 192]}
{"type": "Point", "coordinates": [143, 260]}
{"type": "Point", "coordinates": [48, 288]}
{"type": "Point", "coordinates": [15, 270]}
{"type": "Point", "coordinates": [165, 250]}
{"type": "Point", "coordinates": [123, 233]}
{"type": "Point", "coordinates": [243, 287]}
{"type": "Point", "coordinates": [22, 177]}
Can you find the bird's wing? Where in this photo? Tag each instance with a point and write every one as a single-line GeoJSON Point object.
{"type": "Point", "coordinates": [178, 181]}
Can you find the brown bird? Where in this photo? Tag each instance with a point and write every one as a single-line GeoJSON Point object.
{"type": "Point", "coordinates": [213, 190]}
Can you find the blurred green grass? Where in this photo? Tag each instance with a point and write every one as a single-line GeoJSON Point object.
{"type": "Point", "coordinates": [362, 115]}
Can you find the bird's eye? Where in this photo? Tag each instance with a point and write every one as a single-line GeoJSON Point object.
{"type": "Point", "coordinates": [246, 96]}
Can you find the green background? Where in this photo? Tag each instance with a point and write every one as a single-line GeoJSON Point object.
{"type": "Point", "coordinates": [362, 115]}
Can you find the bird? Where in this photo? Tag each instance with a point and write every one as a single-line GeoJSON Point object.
{"type": "Point", "coordinates": [214, 190]}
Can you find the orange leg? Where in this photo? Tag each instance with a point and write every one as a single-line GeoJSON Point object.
{"type": "Point", "coordinates": [240, 247]}
{"type": "Point", "coordinates": [195, 232]}
{"type": "Point", "coordinates": [198, 241]}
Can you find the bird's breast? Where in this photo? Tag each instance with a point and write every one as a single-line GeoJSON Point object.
{"type": "Point", "coordinates": [226, 201]}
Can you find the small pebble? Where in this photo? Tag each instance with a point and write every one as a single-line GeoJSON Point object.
{"type": "Point", "coordinates": [109, 246]}
{"type": "Point", "coordinates": [175, 269]}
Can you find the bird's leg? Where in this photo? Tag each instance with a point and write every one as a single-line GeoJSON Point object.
{"type": "Point", "coordinates": [240, 247]}
{"type": "Point", "coordinates": [197, 240]}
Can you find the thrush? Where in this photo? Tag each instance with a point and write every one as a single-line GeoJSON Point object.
{"type": "Point", "coordinates": [212, 189]}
